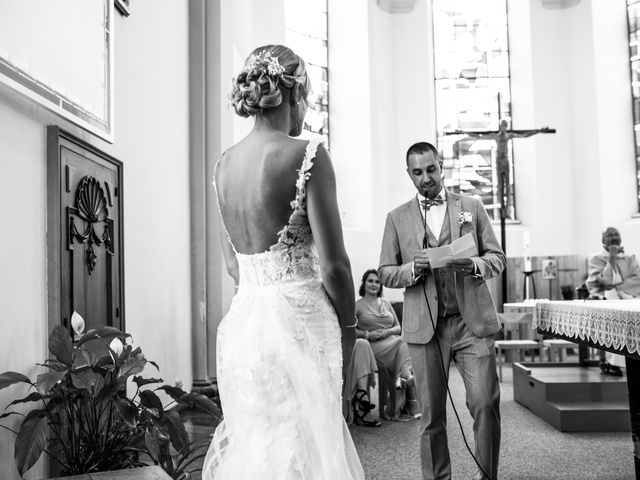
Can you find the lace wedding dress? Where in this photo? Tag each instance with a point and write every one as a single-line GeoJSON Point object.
{"type": "Point", "coordinates": [279, 366]}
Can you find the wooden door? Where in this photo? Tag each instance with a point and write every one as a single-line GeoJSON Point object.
{"type": "Point", "coordinates": [84, 233]}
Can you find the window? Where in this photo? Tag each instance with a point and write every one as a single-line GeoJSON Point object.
{"type": "Point", "coordinates": [306, 34]}
{"type": "Point", "coordinates": [472, 84]}
{"type": "Point", "coordinates": [633, 13]}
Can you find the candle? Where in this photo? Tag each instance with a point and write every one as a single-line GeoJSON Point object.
{"type": "Point", "coordinates": [527, 250]}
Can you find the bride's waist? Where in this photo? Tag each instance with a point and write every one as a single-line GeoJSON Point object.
{"type": "Point", "coordinates": [289, 285]}
{"type": "Point", "coordinates": [273, 278]}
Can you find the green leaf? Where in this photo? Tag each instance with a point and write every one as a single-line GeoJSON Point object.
{"type": "Point", "coordinates": [60, 345]}
{"type": "Point", "coordinates": [32, 397]}
{"type": "Point", "coordinates": [105, 333]}
{"type": "Point", "coordinates": [150, 400]}
{"type": "Point", "coordinates": [8, 414]}
{"type": "Point", "coordinates": [97, 349]}
{"type": "Point", "coordinates": [9, 378]}
{"type": "Point", "coordinates": [85, 380]}
{"type": "Point", "coordinates": [154, 441]}
{"type": "Point", "coordinates": [30, 440]}
{"type": "Point", "coordinates": [127, 410]}
{"type": "Point", "coordinates": [146, 381]}
{"type": "Point", "coordinates": [200, 402]}
{"type": "Point", "coordinates": [111, 388]}
{"type": "Point", "coordinates": [82, 358]}
{"type": "Point", "coordinates": [165, 460]}
{"type": "Point", "coordinates": [46, 381]}
{"type": "Point", "coordinates": [173, 392]}
{"type": "Point", "coordinates": [154, 364]}
{"type": "Point", "coordinates": [132, 366]}
{"type": "Point", "coordinates": [53, 365]}
{"type": "Point", "coordinates": [177, 432]}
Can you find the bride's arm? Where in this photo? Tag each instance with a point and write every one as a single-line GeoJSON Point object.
{"type": "Point", "coordinates": [324, 218]}
{"type": "Point", "coordinates": [229, 255]}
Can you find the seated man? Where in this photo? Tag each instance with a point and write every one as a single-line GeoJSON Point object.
{"type": "Point", "coordinates": [613, 275]}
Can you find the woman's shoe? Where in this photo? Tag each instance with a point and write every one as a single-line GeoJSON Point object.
{"type": "Point", "coordinates": [608, 369]}
{"type": "Point", "coordinates": [361, 401]}
{"type": "Point", "coordinates": [361, 408]}
{"type": "Point", "coordinates": [414, 409]}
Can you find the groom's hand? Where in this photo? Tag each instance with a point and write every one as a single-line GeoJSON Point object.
{"type": "Point", "coordinates": [421, 262]}
{"type": "Point", "coordinates": [462, 265]}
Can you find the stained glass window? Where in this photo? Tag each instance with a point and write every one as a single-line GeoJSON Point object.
{"type": "Point", "coordinates": [633, 11]}
{"type": "Point", "coordinates": [472, 84]}
{"type": "Point", "coordinates": [306, 34]}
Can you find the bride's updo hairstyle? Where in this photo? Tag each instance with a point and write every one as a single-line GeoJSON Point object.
{"type": "Point", "coordinates": [267, 73]}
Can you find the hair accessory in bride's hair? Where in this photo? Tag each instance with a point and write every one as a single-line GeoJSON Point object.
{"type": "Point", "coordinates": [267, 63]}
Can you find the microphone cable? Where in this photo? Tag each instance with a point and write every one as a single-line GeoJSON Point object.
{"type": "Point", "coordinates": [444, 370]}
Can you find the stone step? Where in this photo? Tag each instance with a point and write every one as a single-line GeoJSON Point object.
{"type": "Point", "coordinates": [572, 398]}
{"type": "Point", "coordinates": [590, 416]}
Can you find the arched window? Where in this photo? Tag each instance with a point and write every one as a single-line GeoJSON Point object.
{"type": "Point", "coordinates": [633, 11]}
{"type": "Point", "coordinates": [472, 85]}
{"type": "Point", "coordinates": [306, 33]}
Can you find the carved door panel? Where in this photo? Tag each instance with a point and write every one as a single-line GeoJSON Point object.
{"type": "Point", "coordinates": [86, 218]}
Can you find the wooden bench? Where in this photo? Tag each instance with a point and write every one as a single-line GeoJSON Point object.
{"type": "Point", "coordinates": [517, 345]}
{"type": "Point", "coordinates": [557, 345]}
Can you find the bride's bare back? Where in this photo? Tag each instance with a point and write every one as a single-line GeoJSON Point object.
{"type": "Point", "coordinates": [256, 183]}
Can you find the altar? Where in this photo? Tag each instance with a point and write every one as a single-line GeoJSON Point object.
{"type": "Point", "coordinates": [612, 325]}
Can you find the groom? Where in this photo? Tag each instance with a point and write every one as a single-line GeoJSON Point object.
{"type": "Point", "coordinates": [446, 309]}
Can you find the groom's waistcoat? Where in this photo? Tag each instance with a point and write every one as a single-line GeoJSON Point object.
{"type": "Point", "coordinates": [444, 277]}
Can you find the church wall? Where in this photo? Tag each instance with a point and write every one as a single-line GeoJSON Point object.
{"type": "Point", "coordinates": [151, 139]}
{"type": "Point", "coordinates": [615, 125]}
{"type": "Point", "coordinates": [401, 103]}
{"type": "Point", "coordinates": [23, 277]}
{"type": "Point", "coordinates": [569, 71]}
{"type": "Point", "coordinates": [544, 187]}
{"type": "Point", "coordinates": [358, 64]}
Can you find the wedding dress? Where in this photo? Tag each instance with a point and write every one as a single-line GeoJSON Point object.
{"type": "Point", "coordinates": [279, 366]}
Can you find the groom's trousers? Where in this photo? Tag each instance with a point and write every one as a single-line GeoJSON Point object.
{"type": "Point", "coordinates": [476, 361]}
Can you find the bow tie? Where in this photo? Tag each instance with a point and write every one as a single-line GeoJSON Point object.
{"type": "Point", "coordinates": [427, 203]}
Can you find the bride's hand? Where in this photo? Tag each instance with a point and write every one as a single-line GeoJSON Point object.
{"type": "Point", "coordinates": [348, 339]}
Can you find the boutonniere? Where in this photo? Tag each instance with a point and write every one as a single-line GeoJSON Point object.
{"type": "Point", "coordinates": [465, 217]}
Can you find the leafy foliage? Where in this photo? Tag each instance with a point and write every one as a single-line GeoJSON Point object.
{"type": "Point", "coordinates": [81, 400]}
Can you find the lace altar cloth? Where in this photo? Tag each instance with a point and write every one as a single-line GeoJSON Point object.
{"type": "Point", "coordinates": [610, 323]}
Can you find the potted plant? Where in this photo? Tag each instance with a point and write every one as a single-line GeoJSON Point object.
{"type": "Point", "coordinates": [80, 404]}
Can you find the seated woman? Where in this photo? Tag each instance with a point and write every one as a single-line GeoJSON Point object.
{"type": "Point", "coordinates": [379, 325]}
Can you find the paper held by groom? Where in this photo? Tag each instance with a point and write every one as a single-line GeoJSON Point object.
{"type": "Point", "coordinates": [463, 247]}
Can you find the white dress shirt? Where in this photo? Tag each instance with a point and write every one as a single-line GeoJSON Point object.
{"type": "Point", "coordinates": [435, 214]}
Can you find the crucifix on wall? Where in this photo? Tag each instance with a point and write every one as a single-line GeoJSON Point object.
{"type": "Point", "coordinates": [502, 137]}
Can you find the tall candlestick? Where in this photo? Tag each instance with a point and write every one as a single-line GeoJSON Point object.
{"type": "Point", "coordinates": [527, 250]}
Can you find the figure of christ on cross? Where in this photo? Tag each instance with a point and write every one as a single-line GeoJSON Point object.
{"type": "Point", "coordinates": [502, 137]}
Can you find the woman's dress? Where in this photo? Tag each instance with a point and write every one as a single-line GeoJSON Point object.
{"type": "Point", "coordinates": [279, 366]}
{"type": "Point", "coordinates": [391, 352]}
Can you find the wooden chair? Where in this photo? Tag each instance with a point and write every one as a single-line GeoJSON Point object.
{"type": "Point", "coordinates": [386, 392]}
{"type": "Point", "coordinates": [557, 345]}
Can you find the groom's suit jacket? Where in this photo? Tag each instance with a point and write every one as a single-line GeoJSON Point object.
{"type": "Point", "coordinates": [403, 237]}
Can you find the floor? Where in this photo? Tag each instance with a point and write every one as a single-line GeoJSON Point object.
{"type": "Point", "coordinates": [531, 449]}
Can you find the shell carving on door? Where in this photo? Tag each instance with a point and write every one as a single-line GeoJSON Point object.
{"type": "Point", "coordinates": [89, 221]}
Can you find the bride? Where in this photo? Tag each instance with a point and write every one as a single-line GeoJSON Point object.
{"type": "Point", "coordinates": [282, 346]}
